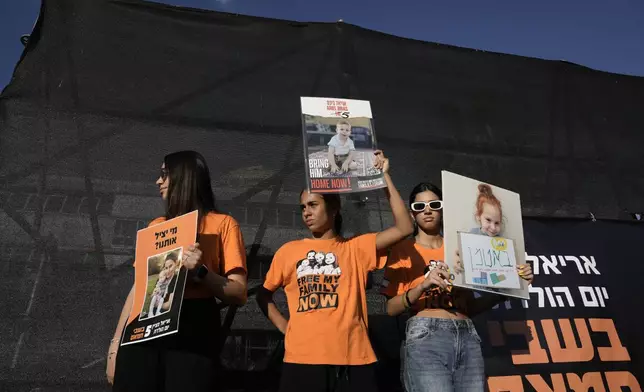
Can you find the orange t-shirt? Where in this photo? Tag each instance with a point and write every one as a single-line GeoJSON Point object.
{"type": "Point", "coordinates": [406, 267]}
{"type": "Point", "coordinates": [222, 245]}
{"type": "Point", "coordinates": [325, 282]}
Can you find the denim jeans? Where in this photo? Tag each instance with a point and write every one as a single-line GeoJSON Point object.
{"type": "Point", "coordinates": [442, 355]}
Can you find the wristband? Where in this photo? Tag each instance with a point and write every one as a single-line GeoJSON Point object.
{"type": "Point", "coordinates": [406, 301]}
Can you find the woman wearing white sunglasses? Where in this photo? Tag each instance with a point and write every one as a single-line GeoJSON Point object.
{"type": "Point", "coordinates": [442, 350]}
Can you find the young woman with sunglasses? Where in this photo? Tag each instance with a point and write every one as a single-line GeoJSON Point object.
{"type": "Point", "coordinates": [327, 346]}
{"type": "Point", "coordinates": [216, 266]}
{"type": "Point", "coordinates": [442, 350]}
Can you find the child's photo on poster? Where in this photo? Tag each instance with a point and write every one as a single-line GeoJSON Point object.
{"type": "Point", "coordinates": [163, 272]}
{"type": "Point", "coordinates": [484, 234]}
{"type": "Point", "coordinates": [340, 146]}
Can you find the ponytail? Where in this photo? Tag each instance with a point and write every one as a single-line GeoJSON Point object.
{"type": "Point", "coordinates": [334, 205]}
{"type": "Point", "coordinates": [486, 196]}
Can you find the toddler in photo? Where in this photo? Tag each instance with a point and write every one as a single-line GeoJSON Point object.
{"type": "Point", "coordinates": [161, 288]}
{"type": "Point", "coordinates": [341, 149]}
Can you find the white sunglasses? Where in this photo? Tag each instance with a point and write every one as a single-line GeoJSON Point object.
{"type": "Point", "coordinates": [433, 205]}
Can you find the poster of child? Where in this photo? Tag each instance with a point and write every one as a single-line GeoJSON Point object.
{"type": "Point", "coordinates": [483, 236]}
{"type": "Point", "coordinates": [339, 145]}
{"type": "Point", "coordinates": [163, 270]}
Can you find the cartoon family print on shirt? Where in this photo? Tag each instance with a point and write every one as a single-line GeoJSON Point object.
{"type": "Point", "coordinates": [318, 276]}
{"type": "Point", "coordinates": [318, 263]}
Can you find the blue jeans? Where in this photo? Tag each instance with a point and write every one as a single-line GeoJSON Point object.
{"type": "Point", "coordinates": [442, 355]}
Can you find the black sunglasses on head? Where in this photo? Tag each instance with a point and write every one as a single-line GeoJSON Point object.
{"type": "Point", "coordinates": [163, 174]}
{"type": "Point", "coordinates": [433, 205]}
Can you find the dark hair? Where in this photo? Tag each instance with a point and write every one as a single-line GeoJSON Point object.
{"type": "Point", "coordinates": [172, 256]}
{"type": "Point", "coordinates": [332, 202]}
{"type": "Point", "coordinates": [424, 187]}
{"type": "Point", "coordinates": [189, 187]}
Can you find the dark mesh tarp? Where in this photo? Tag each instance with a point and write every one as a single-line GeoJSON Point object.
{"type": "Point", "coordinates": [105, 88]}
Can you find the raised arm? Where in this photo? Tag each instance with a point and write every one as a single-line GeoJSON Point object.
{"type": "Point", "coordinates": [403, 225]}
{"type": "Point", "coordinates": [265, 302]}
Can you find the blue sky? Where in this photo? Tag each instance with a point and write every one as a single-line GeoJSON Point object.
{"type": "Point", "coordinates": [607, 35]}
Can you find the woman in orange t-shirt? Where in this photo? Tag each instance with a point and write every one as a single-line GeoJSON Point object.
{"type": "Point", "coordinates": [441, 351]}
{"type": "Point", "coordinates": [327, 347]}
{"type": "Point", "coordinates": [216, 265]}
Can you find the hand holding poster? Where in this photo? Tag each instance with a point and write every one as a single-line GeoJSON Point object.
{"type": "Point", "coordinates": [160, 278]}
{"type": "Point", "coordinates": [339, 146]}
{"type": "Point", "coordinates": [483, 236]}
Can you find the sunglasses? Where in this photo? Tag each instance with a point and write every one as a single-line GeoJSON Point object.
{"type": "Point", "coordinates": [434, 205]}
{"type": "Point", "coordinates": [163, 174]}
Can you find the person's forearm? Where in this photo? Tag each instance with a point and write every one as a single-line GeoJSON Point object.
{"type": "Point", "coordinates": [276, 317]}
{"type": "Point", "coordinates": [396, 305]}
{"type": "Point", "coordinates": [267, 306]}
{"type": "Point", "coordinates": [227, 290]}
{"type": "Point", "coordinates": [125, 313]}
{"type": "Point", "coordinates": [402, 220]}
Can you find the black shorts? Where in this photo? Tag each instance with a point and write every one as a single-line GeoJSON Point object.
{"type": "Point", "coordinates": [328, 378]}
{"type": "Point", "coordinates": [182, 362]}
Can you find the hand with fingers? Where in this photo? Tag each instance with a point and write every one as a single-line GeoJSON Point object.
{"type": "Point", "coordinates": [458, 263]}
{"type": "Point", "coordinates": [381, 162]}
{"type": "Point", "coordinates": [437, 277]}
{"type": "Point", "coordinates": [192, 257]}
{"type": "Point", "coordinates": [525, 272]}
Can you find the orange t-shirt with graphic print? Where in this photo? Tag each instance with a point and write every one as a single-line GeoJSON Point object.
{"type": "Point", "coordinates": [407, 265]}
{"type": "Point", "coordinates": [325, 282]}
{"type": "Point", "coordinates": [223, 249]}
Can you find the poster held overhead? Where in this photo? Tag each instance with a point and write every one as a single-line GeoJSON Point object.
{"type": "Point", "coordinates": [339, 145]}
{"type": "Point", "coordinates": [483, 228]}
{"type": "Point", "coordinates": [160, 278]}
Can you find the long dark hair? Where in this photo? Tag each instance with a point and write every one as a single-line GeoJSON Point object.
{"type": "Point", "coordinates": [332, 202]}
{"type": "Point", "coordinates": [424, 187]}
{"type": "Point", "coordinates": [189, 187]}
